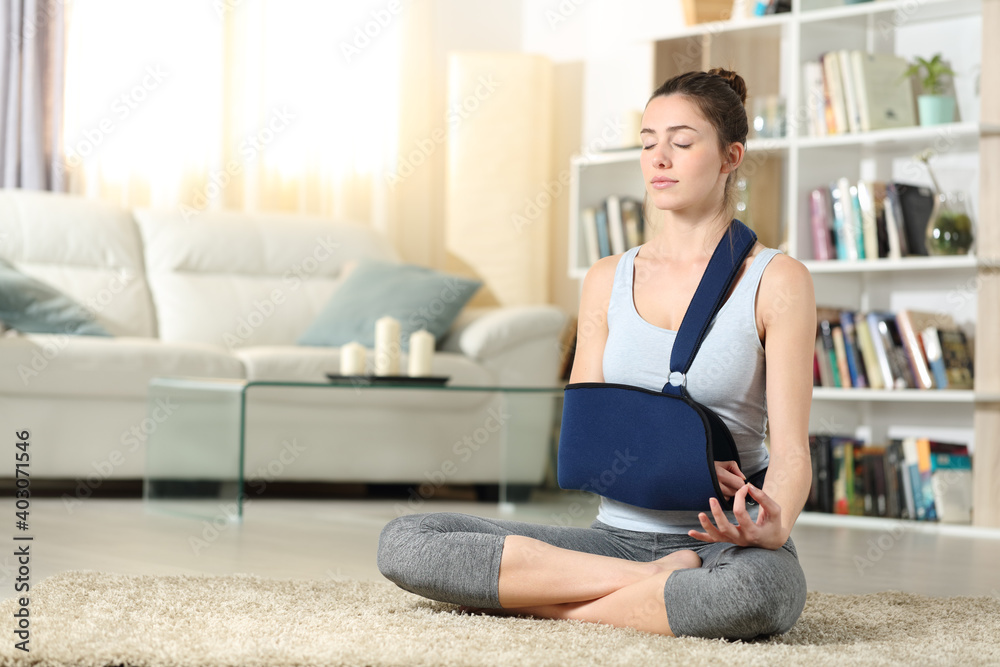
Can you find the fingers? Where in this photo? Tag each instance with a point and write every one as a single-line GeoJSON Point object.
{"type": "Point", "coordinates": [729, 481]}
{"type": "Point", "coordinates": [733, 468]}
{"type": "Point", "coordinates": [768, 505]}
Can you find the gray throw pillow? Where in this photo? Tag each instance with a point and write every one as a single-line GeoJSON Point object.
{"type": "Point", "coordinates": [31, 306]}
{"type": "Point", "coordinates": [419, 297]}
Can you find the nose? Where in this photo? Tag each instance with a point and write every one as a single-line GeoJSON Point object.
{"type": "Point", "coordinates": [660, 158]}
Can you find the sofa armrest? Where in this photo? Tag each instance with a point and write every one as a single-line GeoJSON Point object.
{"type": "Point", "coordinates": [485, 333]}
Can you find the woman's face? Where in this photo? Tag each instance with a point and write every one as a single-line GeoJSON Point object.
{"type": "Point", "coordinates": [681, 163]}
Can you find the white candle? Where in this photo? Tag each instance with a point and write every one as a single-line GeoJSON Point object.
{"type": "Point", "coordinates": [387, 346]}
{"type": "Point", "coordinates": [352, 359]}
{"type": "Point", "coordinates": [421, 353]}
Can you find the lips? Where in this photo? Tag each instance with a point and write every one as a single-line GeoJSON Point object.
{"type": "Point", "coordinates": [662, 182]}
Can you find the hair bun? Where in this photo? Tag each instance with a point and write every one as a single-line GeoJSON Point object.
{"type": "Point", "coordinates": [734, 80]}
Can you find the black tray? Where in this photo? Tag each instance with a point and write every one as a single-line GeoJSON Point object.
{"type": "Point", "coordinates": [428, 380]}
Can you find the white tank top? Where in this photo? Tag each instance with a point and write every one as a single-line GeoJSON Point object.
{"type": "Point", "coordinates": [727, 375]}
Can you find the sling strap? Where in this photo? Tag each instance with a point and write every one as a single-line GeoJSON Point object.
{"type": "Point", "coordinates": [718, 278]}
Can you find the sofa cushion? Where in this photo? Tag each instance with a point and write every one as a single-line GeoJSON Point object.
{"type": "Point", "coordinates": [88, 250]}
{"type": "Point", "coordinates": [31, 306]}
{"type": "Point", "coordinates": [242, 279]}
{"type": "Point", "coordinates": [417, 296]}
{"type": "Point", "coordinates": [61, 365]}
{"type": "Point", "coordinates": [311, 364]}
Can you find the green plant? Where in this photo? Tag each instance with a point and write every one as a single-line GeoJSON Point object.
{"type": "Point", "coordinates": [931, 73]}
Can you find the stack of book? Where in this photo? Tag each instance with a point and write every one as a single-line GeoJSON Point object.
{"type": "Point", "coordinates": [883, 350]}
{"type": "Point", "coordinates": [869, 219]}
{"type": "Point", "coordinates": [854, 91]}
{"type": "Point", "coordinates": [909, 478]}
{"type": "Point", "coordinates": [613, 227]}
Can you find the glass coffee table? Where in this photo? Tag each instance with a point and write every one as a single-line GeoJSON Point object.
{"type": "Point", "coordinates": [213, 443]}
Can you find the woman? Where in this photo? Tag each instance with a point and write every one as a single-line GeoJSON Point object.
{"type": "Point", "coordinates": [731, 575]}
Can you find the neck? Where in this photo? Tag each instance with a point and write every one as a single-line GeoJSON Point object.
{"type": "Point", "coordinates": [685, 240]}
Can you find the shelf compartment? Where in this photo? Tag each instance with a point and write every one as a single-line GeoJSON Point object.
{"type": "Point", "coordinates": [963, 396]}
{"type": "Point", "coordinates": [905, 138]}
{"type": "Point", "coordinates": [906, 10]}
{"type": "Point", "coordinates": [903, 264]}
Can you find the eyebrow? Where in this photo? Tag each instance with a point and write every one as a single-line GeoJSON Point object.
{"type": "Point", "coordinates": [672, 128]}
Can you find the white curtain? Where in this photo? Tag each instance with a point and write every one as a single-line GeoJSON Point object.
{"type": "Point", "coordinates": [31, 73]}
{"type": "Point", "coordinates": [239, 104]}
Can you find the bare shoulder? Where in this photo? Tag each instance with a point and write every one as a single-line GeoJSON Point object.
{"type": "Point", "coordinates": [786, 284]}
{"type": "Point", "coordinates": [598, 282]}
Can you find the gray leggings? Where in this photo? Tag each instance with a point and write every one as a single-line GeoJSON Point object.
{"type": "Point", "coordinates": [737, 593]}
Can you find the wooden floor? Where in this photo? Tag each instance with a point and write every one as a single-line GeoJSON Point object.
{"type": "Point", "coordinates": [338, 538]}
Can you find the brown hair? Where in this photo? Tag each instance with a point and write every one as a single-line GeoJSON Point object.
{"type": "Point", "coordinates": [720, 95]}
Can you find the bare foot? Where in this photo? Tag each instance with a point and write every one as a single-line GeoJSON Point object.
{"type": "Point", "coordinates": [679, 560]}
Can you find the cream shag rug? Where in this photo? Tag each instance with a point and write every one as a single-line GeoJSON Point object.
{"type": "Point", "coordinates": [93, 619]}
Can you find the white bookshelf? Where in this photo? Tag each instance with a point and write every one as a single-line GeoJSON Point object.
{"type": "Point", "coordinates": [769, 52]}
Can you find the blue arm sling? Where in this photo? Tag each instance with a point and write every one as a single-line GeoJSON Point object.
{"type": "Point", "coordinates": [656, 449]}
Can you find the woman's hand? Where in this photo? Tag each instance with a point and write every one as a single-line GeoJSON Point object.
{"type": "Point", "coordinates": [731, 479]}
{"type": "Point", "coordinates": [766, 532]}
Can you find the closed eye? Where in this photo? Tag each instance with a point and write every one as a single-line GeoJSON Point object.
{"type": "Point", "coordinates": [683, 145]}
{"type": "Point", "coordinates": [646, 148]}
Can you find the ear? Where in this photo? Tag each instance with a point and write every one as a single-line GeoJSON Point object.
{"type": "Point", "coordinates": [734, 157]}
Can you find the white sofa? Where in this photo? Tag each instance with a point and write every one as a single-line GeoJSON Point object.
{"type": "Point", "coordinates": [179, 297]}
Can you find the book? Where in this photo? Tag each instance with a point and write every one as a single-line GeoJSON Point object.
{"type": "Point", "coordinates": [850, 97]}
{"type": "Point", "coordinates": [855, 364]}
{"type": "Point", "coordinates": [822, 364]}
{"type": "Point", "coordinates": [601, 222]}
{"type": "Point", "coordinates": [819, 220]}
{"type": "Point", "coordinates": [911, 322]}
{"type": "Point", "coordinates": [845, 224]}
{"type": "Point", "coordinates": [631, 221]}
{"type": "Point", "coordinates": [956, 357]}
{"type": "Point", "coordinates": [588, 226]}
{"type": "Point", "coordinates": [932, 347]}
{"type": "Point", "coordinates": [812, 75]}
{"type": "Point", "coordinates": [916, 203]}
{"type": "Point", "coordinates": [923, 446]}
{"type": "Point", "coordinates": [884, 94]}
{"type": "Point", "coordinates": [842, 455]}
{"type": "Point", "coordinates": [915, 481]}
{"type": "Point", "coordinates": [869, 218]}
{"type": "Point", "coordinates": [857, 221]}
{"type": "Point", "coordinates": [895, 501]}
{"type": "Point", "coordinates": [827, 319]}
{"type": "Point", "coordinates": [616, 232]}
{"type": "Point", "coordinates": [835, 91]}
{"type": "Point", "coordinates": [895, 228]}
{"type": "Point", "coordinates": [873, 371]}
{"type": "Point", "coordinates": [894, 347]}
{"type": "Point", "coordinates": [881, 344]}
{"type": "Point", "coordinates": [821, 491]}
{"type": "Point", "coordinates": [840, 352]}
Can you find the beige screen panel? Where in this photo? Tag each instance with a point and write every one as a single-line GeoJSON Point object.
{"type": "Point", "coordinates": [499, 189]}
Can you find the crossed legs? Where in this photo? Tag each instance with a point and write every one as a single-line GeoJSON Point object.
{"type": "Point", "coordinates": [542, 580]}
{"type": "Point", "coordinates": [598, 574]}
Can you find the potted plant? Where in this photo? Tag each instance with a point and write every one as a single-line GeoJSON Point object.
{"type": "Point", "coordinates": [934, 104]}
